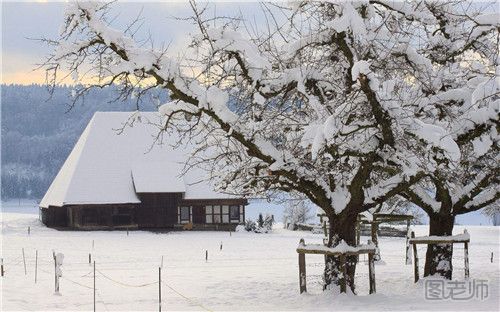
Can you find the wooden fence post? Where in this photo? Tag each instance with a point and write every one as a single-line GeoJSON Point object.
{"type": "Point", "coordinates": [408, 248]}
{"type": "Point", "coordinates": [492, 257]}
{"type": "Point", "coordinates": [466, 257]}
{"type": "Point", "coordinates": [415, 259]}
{"type": "Point", "coordinates": [159, 289]}
{"type": "Point", "coordinates": [206, 255]}
{"type": "Point", "coordinates": [302, 269]}
{"type": "Point", "coordinates": [1, 266]}
{"type": "Point", "coordinates": [24, 261]}
{"type": "Point", "coordinates": [374, 227]}
{"type": "Point", "coordinates": [371, 273]}
{"type": "Point", "coordinates": [36, 264]}
{"type": "Point", "coordinates": [94, 286]}
{"type": "Point", "coordinates": [90, 258]}
{"type": "Point", "coordinates": [56, 286]}
{"type": "Point", "coordinates": [343, 283]}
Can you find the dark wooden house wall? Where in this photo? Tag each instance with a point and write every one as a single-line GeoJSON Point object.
{"type": "Point", "coordinates": [54, 216]}
{"type": "Point", "coordinates": [99, 216]}
{"type": "Point", "coordinates": [157, 210]}
{"type": "Point", "coordinates": [90, 216]}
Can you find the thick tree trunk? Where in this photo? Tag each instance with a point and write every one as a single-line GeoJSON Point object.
{"type": "Point", "coordinates": [342, 227]}
{"type": "Point", "coordinates": [438, 259]}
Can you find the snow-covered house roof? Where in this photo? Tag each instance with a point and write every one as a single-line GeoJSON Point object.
{"type": "Point", "coordinates": [109, 166]}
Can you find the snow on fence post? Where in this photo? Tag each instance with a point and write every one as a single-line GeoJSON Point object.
{"type": "Point", "coordinates": [374, 228]}
{"type": "Point", "coordinates": [466, 257]}
{"type": "Point", "coordinates": [24, 261]}
{"type": "Point", "coordinates": [58, 261]}
{"type": "Point", "coordinates": [408, 249]}
{"type": "Point", "coordinates": [55, 270]}
{"type": "Point", "coordinates": [302, 269]}
{"type": "Point", "coordinates": [371, 271]}
{"type": "Point", "coordinates": [159, 289]}
{"type": "Point", "coordinates": [1, 266]}
{"type": "Point", "coordinates": [36, 264]}
{"type": "Point", "coordinates": [415, 258]}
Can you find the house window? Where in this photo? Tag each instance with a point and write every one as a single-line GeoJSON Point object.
{"type": "Point", "coordinates": [216, 218]}
{"type": "Point", "coordinates": [234, 213]}
{"type": "Point", "coordinates": [213, 214]}
{"type": "Point", "coordinates": [222, 214]}
{"type": "Point", "coordinates": [184, 213]}
{"type": "Point", "coordinates": [209, 218]}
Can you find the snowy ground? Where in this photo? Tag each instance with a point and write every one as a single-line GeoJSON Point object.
{"type": "Point", "coordinates": [252, 272]}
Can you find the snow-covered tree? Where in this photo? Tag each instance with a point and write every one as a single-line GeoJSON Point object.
{"type": "Point", "coordinates": [326, 103]}
{"type": "Point", "coordinates": [455, 85]}
{"type": "Point", "coordinates": [297, 211]}
{"type": "Point", "coordinates": [493, 212]}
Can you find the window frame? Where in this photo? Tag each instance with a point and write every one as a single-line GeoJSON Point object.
{"type": "Point", "coordinates": [188, 213]}
{"type": "Point", "coordinates": [231, 209]}
{"type": "Point", "coordinates": [220, 214]}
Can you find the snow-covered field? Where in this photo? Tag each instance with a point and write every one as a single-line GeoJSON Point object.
{"type": "Point", "coordinates": [252, 271]}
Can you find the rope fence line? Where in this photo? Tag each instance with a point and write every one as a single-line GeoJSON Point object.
{"type": "Point", "coordinates": [190, 300]}
{"type": "Point", "coordinates": [124, 284]}
{"type": "Point", "coordinates": [187, 298]}
{"type": "Point", "coordinates": [87, 274]}
{"type": "Point", "coordinates": [69, 280]}
{"type": "Point", "coordinates": [15, 261]}
{"type": "Point", "coordinates": [140, 267]}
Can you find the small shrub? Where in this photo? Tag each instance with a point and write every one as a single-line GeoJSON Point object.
{"type": "Point", "coordinates": [250, 226]}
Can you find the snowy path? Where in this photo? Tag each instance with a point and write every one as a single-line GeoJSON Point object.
{"type": "Point", "coordinates": [252, 272]}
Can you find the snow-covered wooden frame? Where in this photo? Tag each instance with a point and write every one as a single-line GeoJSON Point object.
{"type": "Point", "coordinates": [342, 250]}
{"type": "Point", "coordinates": [431, 240]}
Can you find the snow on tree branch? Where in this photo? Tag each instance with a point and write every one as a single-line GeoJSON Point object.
{"type": "Point", "coordinates": [347, 106]}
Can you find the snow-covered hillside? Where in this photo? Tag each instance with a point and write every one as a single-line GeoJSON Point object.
{"type": "Point", "coordinates": [252, 271]}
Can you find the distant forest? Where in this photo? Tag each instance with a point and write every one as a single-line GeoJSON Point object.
{"type": "Point", "coordinates": [39, 131]}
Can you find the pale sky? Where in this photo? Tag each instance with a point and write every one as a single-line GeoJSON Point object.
{"type": "Point", "coordinates": [23, 20]}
